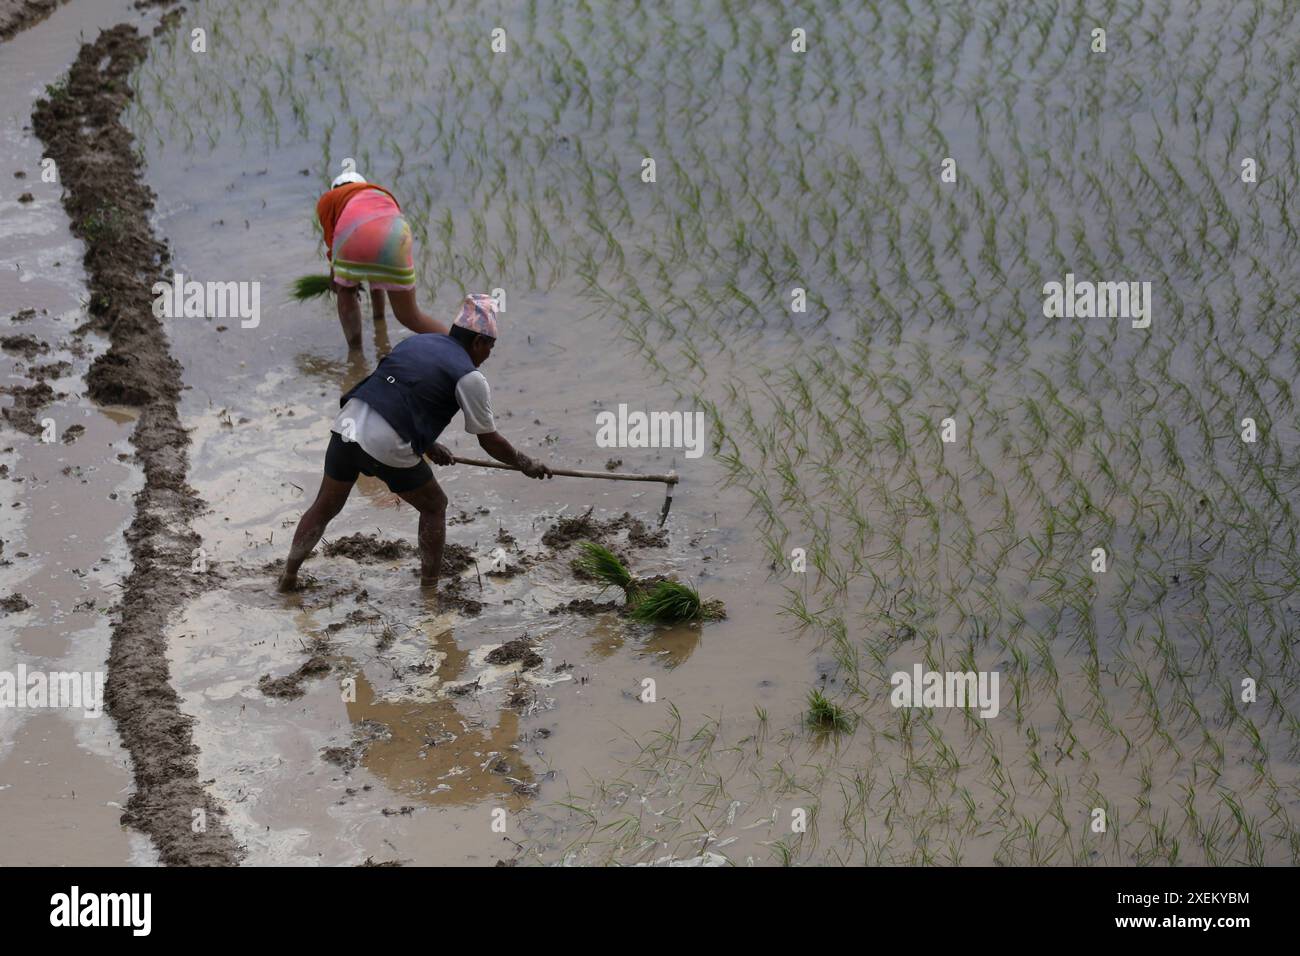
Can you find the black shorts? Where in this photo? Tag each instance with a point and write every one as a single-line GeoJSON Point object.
{"type": "Point", "coordinates": [344, 460]}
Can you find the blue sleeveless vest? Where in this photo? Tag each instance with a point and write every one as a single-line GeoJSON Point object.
{"type": "Point", "coordinates": [414, 387]}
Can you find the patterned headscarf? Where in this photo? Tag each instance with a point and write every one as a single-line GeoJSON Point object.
{"type": "Point", "coordinates": [478, 313]}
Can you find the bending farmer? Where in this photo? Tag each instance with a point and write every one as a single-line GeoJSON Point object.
{"type": "Point", "coordinates": [368, 239]}
{"type": "Point", "coordinates": [395, 416]}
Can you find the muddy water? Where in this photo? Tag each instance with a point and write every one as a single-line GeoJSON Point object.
{"type": "Point", "coordinates": [63, 504]}
{"type": "Point", "coordinates": [408, 770]}
{"type": "Point", "coordinates": [259, 402]}
{"type": "Point", "coordinates": [438, 753]}
{"type": "Point", "coordinates": [965, 556]}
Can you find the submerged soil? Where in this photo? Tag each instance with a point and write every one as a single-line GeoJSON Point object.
{"type": "Point", "coordinates": [80, 125]}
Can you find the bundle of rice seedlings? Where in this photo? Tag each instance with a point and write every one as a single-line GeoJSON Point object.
{"type": "Point", "coordinates": [310, 287]}
{"type": "Point", "coordinates": [671, 602]}
{"type": "Point", "coordinates": [825, 714]}
{"type": "Point", "coordinates": [660, 602]}
{"type": "Point", "coordinates": [604, 565]}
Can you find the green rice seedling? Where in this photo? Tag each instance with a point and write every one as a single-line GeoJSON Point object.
{"type": "Point", "coordinates": [671, 602]}
{"type": "Point", "coordinates": [604, 565]}
{"type": "Point", "coordinates": [825, 714]}
{"type": "Point", "coordinates": [310, 287]}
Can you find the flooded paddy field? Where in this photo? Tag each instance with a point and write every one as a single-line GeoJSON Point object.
{"type": "Point", "coordinates": [914, 462]}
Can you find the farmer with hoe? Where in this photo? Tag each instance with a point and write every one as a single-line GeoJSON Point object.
{"type": "Point", "coordinates": [394, 417]}
{"type": "Point", "coordinates": [367, 239]}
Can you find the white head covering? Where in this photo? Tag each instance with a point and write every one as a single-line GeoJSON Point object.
{"type": "Point", "coordinates": [348, 177]}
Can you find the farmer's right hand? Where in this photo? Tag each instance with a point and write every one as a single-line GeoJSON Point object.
{"type": "Point", "coordinates": [533, 468]}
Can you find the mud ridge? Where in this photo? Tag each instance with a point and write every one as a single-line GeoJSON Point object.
{"type": "Point", "coordinates": [108, 205]}
{"type": "Point", "coordinates": [18, 15]}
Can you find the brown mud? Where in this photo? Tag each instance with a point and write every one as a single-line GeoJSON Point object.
{"type": "Point", "coordinates": [587, 607]}
{"type": "Point", "coordinates": [27, 401]}
{"type": "Point", "coordinates": [369, 549]}
{"type": "Point", "coordinates": [18, 15]}
{"type": "Point", "coordinates": [26, 345]}
{"type": "Point", "coordinates": [290, 686]}
{"type": "Point", "coordinates": [14, 604]}
{"type": "Point", "coordinates": [109, 207]}
{"type": "Point", "coordinates": [518, 651]}
{"type": "Point", "coordinates": [455, 595]}
{"type": "Point", "coordinates": [583, 527]}
{"type": "Point", "coordinates": [366, 547]}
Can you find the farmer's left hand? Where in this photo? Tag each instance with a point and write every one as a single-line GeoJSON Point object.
{"type": "Point", "coordinates": [440, 455]}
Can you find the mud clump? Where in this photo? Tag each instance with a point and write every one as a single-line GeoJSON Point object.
{"type": "Point", "coordinates": [520, 650]}
{"type": "Point", "coordinates": [14, 603]}
{"type": "Point", "coordinates": [639, 534]}
{"type": "Point", "coordinates": [367, 548]}
{"type": "Point", "coordinates": [568, 531]}
{"type": "Point", "coordinates": [290, 686]}
{"type": "Point", "coordinates": [357, 618]}
{"type": "Point", "coordinates": [465, 517]}
{"type": "Point", "coordinates": [18, 15]}
{"type": "Point", "coordinates": [28, 346]}
{"type": "Point", "coordinates": [363, 735]}
{"type": "Point", "coordinates": [109, 207]}
{"type": "Point", "coordinates": [520, 699]}
{"type": "Point", "coordinates": [340, 756]}
{"type": "Point", "coordinates": [456, 559]}
{"type": "Point", "coordinates": [27, 401]}
{"type": "Point", "coordinates": [453, 595]}
{"type": "Point", "coordinates": [53, 370]}
{"type": "Point", "coordinates": [586, 607]}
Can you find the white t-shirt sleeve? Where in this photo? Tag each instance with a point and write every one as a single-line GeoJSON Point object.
{"type": "Point", "coordinates": [475, 400]}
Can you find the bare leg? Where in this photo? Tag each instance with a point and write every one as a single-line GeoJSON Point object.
{"type": "Point", "coordinates": [382, 344]}
{"type": "Point", "coordinates": [329, 502]}
{"type": "Point", "coordinates": [431, 502]}
{"type": "Point", "coordinates": [409, 314]}
{"type": "Point", "coordinates": [349, 304]}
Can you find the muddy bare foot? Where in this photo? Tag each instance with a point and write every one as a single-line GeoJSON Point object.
{"type": "Point", "coordinates": [288, 583]}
